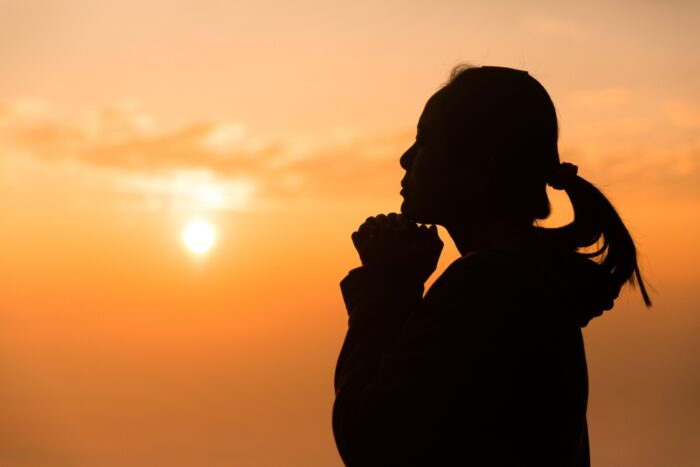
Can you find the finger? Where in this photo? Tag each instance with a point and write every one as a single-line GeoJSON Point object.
{"type": "Point", "coordinates": [432, 233]}
{"type": "Point", "coordinates": [356, 239]}
{"type": "Point", "coordinates": [359, 239]}
{"type": "Point", "coordinates": [403, 224]}
{"type": "Point", "coordinates": [392, 219]}
{"type": "Point", "coordinates": [403, 220]}
{"type": "Point", "coordinates": [380, 219]}
{"type": "Point", "coordinates": [371, 220]}
{"type": "Point", "coordinates": [430, 236]}
{"type": "Point", "coordinates": [369, 226]}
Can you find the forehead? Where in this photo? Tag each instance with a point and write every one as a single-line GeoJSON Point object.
{"type": "Point", "coordinates": [433, 110]}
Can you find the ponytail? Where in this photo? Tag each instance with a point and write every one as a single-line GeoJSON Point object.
{"type": "Point", "coordinates": [597, 224]}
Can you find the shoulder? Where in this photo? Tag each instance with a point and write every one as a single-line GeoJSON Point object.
{"type": "Point", "coordinates": [500, 287]}
{"type": "Point", "coordinates": [485, 271]}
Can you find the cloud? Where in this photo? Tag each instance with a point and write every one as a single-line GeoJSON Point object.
{"type": "Point", "coordinates": [602, 99]}
{"type": "Point", "coordinates": [188, 190]}
{"type": "Point", "coordinates": [221, 165]}
{"type": "Point", "coordinates": [554, 27]}
{"type": "Point", "coordinates": [215, 165]}
{"type": "Point", "coordinates": [682, 114]}
{"type": "Point", "coordinates": [225, 138]}
{"type": "Point", "coordinates": [668, 171]}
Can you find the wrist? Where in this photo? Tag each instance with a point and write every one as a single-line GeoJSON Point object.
{"type": "Point", "coordinates": [390, 282]}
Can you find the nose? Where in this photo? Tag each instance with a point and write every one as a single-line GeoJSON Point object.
{"type": "Point", "coordinates": [406, 159]}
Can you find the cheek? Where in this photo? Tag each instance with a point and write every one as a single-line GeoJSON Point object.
{"type": "Point", "coordinates": [434, 196]}
{"type": "Point", "coordinates": [433, 175]}
{"type": "Point", "coordinates": [437, 179]}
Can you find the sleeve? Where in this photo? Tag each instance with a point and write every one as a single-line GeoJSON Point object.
{"type": "Point", "coordinates": [379, 300]}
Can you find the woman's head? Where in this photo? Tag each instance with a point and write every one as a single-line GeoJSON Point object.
{"type": "Point", "coordinates": [486, 145]}
{"type": "Point", "coordinates": [485, 150]}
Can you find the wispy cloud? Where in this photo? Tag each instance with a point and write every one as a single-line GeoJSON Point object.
{"type": "Point", "coordinates": [223, 166]}
{"type": "Point", "coordinates": [216, 165]}
{"type": "Point", "coordinates": [554, 27]}
{"type": "Point", "coordinates": [683, 114]}
{"type": "Point", "coordinates": [602, 99]}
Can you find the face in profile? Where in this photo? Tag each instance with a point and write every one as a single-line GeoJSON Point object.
{"type": "Point", "coordinates": [433, 184]}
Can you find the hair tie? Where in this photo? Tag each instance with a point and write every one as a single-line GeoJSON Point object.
{"type": "Point", "coordinates": [562, 176]}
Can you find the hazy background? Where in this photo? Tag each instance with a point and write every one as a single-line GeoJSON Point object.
{"type": "Point", "coordinates": [281, 123]}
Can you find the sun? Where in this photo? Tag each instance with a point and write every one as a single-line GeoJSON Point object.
{"type": "Point", "coordinates": [198, 236]}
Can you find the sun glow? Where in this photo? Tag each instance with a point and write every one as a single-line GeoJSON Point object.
{"type": "Point", "coordinates": [198, 236]}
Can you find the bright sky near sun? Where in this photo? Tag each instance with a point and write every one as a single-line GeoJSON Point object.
{"type": "Point", "coordinates": [198, 236]}
{"type": "Point", "coordinates": [179, 181]}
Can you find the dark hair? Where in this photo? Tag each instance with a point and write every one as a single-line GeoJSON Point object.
{"type": "Point", "coordinates": [507, 116]}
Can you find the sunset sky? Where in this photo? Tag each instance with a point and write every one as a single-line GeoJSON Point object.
{"type": "Point", "coordinates": [281, 125]}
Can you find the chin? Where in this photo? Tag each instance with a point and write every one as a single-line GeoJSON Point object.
{"type": "Point", "coordinates": [416, 215]}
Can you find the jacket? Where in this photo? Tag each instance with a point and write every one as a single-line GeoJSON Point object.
{"type": "Point", "coordinates": [487, 369]}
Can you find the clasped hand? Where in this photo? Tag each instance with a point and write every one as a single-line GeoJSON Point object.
{"type": "Point", "coordinates": [393, 240]}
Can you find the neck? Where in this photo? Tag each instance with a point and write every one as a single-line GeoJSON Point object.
{"type": "Point", "coordinates": [489, 235]}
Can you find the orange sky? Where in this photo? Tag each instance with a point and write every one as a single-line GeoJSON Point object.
{"type": "Point", "coordinates": [282, 125]}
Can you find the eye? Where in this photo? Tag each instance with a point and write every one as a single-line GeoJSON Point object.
{"type": "Point", "coordinates": [422, 137]}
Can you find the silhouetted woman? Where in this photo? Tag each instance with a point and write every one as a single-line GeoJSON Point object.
{"type": "Point", "coordinates": [488, 368]}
